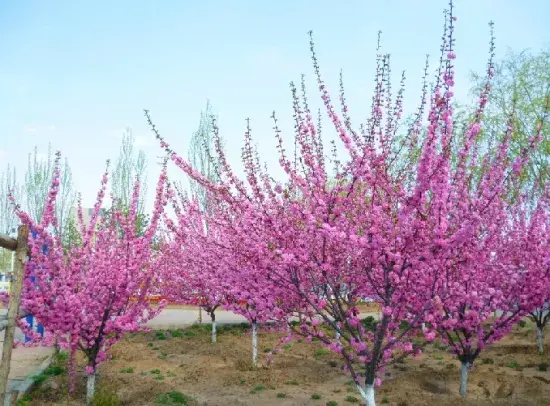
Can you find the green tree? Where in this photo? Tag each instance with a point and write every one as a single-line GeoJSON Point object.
{"type": "Point", "coordinates": [37, 184]}
{"type": "Point", "coordinates": [130, 166]}
{"type": "Point", "coordinates": [521, 83]}
{"type": "Point", "coordinates": [203, 155]}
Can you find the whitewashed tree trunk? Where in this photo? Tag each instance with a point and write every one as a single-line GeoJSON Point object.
{"type": "Point", "coordinates": [540, 339]}
{"type": "Point", "coordinates": [465, 370]}
{"type": "Point", "coordinates": [200, 315]}
{"type": "Point", "coordinates": [90, 388]}
{"type": "Point", "coordinates": [367, 394]}
{"type": "Point", "coordinates": [213, 331]}
{"type": "Point", "coordinates": [254, 344]}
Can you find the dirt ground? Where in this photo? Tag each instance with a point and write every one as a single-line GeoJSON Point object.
{"type": "Point", "coordinates": [183, 367]}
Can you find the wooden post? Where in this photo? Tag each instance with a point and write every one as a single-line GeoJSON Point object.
{"type": "Point", "coordinates": [21, 250]}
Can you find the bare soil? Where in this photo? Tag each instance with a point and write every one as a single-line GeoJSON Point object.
{"type": "Point", "coordinates": [147, 366]}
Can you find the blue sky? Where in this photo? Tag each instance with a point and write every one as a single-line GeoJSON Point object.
{"type": "Point", "coordinates": [76, 73]}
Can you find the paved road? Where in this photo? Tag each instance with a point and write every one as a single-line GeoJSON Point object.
{"type": "Point", "coordinates": [172, 318]}
{"type": "Point", "coordinates": [176, 318]}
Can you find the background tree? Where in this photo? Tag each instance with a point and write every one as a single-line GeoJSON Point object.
{"type": "Point", "coordinates": [37, 184]}
{"type": "Point", "coordinates": [130, 166]}
{"type": "Point", "coordinates": [521, 82]}
{"type": "Point", "coordinates": [202, 155]}
{"type": "Point", "coordinates": [8, 219]}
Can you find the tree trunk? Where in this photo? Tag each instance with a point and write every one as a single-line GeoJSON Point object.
{"type": "Point", "coordinates": [90, 388]}
{"type": "Point", "coordinates": [367, 394]}
{"type": "Point", "coordinates": [540, 339]}
{"type": "Point", "coordinates": [254, 344]}
{"type": "Point", "coordinates": [465, 369]}
{"type": "Point", "coordinates": [200, 315]}
{"type": "Point", "coordinates": [213, 316]}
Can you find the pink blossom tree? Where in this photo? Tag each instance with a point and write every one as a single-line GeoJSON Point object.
{"type": "Point", "coordinates": [383, 226]}
{"type": "Point", "coordinates": [89, 295]}
{"type": "Point", "coordinates": [525, 251]}
{"type": "Point", "coordinates": [190, 276]}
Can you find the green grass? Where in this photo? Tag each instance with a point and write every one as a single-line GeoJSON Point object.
{"type": "Point", "coordinates": [513, 365]}
{"type": "Point", "coordinates": [332, 403]}
{"type": "Point", "coordinates": [321, 351]}
{"type": "Point", "coordinates": [351, 399]}
{"type": "Point", "coordinates": [543, 367]}
{"type": "Point", "coordinates": [257, 389]}
{"type": "Point", "coordinates": [129, 370]}
{"type": "Point", "coordinates": [174, 398]}
{"type": "Point", "coordinates": [159, 335]}
{"type": "Point", "coordinates": [281, 395]}
{"type": "Point", "coordinates": [486, 361]}
{"type": "Point", "coordinates": [105, 398]}
{"type": "Point", "coordinates": [315, 396]}
{"type": "Point", "coordinates": [155, 371]}
{"type": "Point", "coordinates": [175, 333]}
{"type": "Point", "coordinates": [292, 382]}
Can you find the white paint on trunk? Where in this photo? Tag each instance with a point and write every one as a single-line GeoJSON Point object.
{"type": "Point", "coordinates": [423, 326]}
{"type": "Point", "coordinates": [254, 344]}
{"type": "Point", "coordinates": [90, 388]}
{"type": "Point", "coordinates": [213, 331]}
{"type": "Point", "coordinates": [465, 370]}
{"type": "Point", "coordinates": [368, 394]}
{"type": "Point", "coordinates": [540, 340]}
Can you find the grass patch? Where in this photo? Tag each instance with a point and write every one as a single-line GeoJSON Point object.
{"type": "Point", "coordinates": [159, 335]}
{"type": "Point", "coordinates": [281, 395]}
{"type": "Point", "coordinates": [105, 398]}
{"type": "Point", "coordinates": [175, 333]}
{"type": "Point", "coordinates": [257, 389]}
{"type": "Point", "coordinates": [293, 382]}
{"type": "Point", "coordinates": [513, 365]}
{"type": "Point", "coordinates": [155, 371]}
{"type": "Point", "coordinates": [321, 351]}
{"type": "Point", "coordinates": [315, 396]}
{"type": "Point", "coordinates": [129, 370]}
{"type": "Point", "coordinates": [332, 403]}
{"type": "Point", "coordinates": [543, 367]}
{"type": "Point", "coordinates": [486, 361]}
{"type": "Point", "coordinates": [351, 399]}
{"type": "Point", "coordinates": [174, 398]}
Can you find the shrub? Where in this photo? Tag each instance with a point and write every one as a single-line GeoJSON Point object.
{"type": "Point", "coordinates": [315, 396]}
